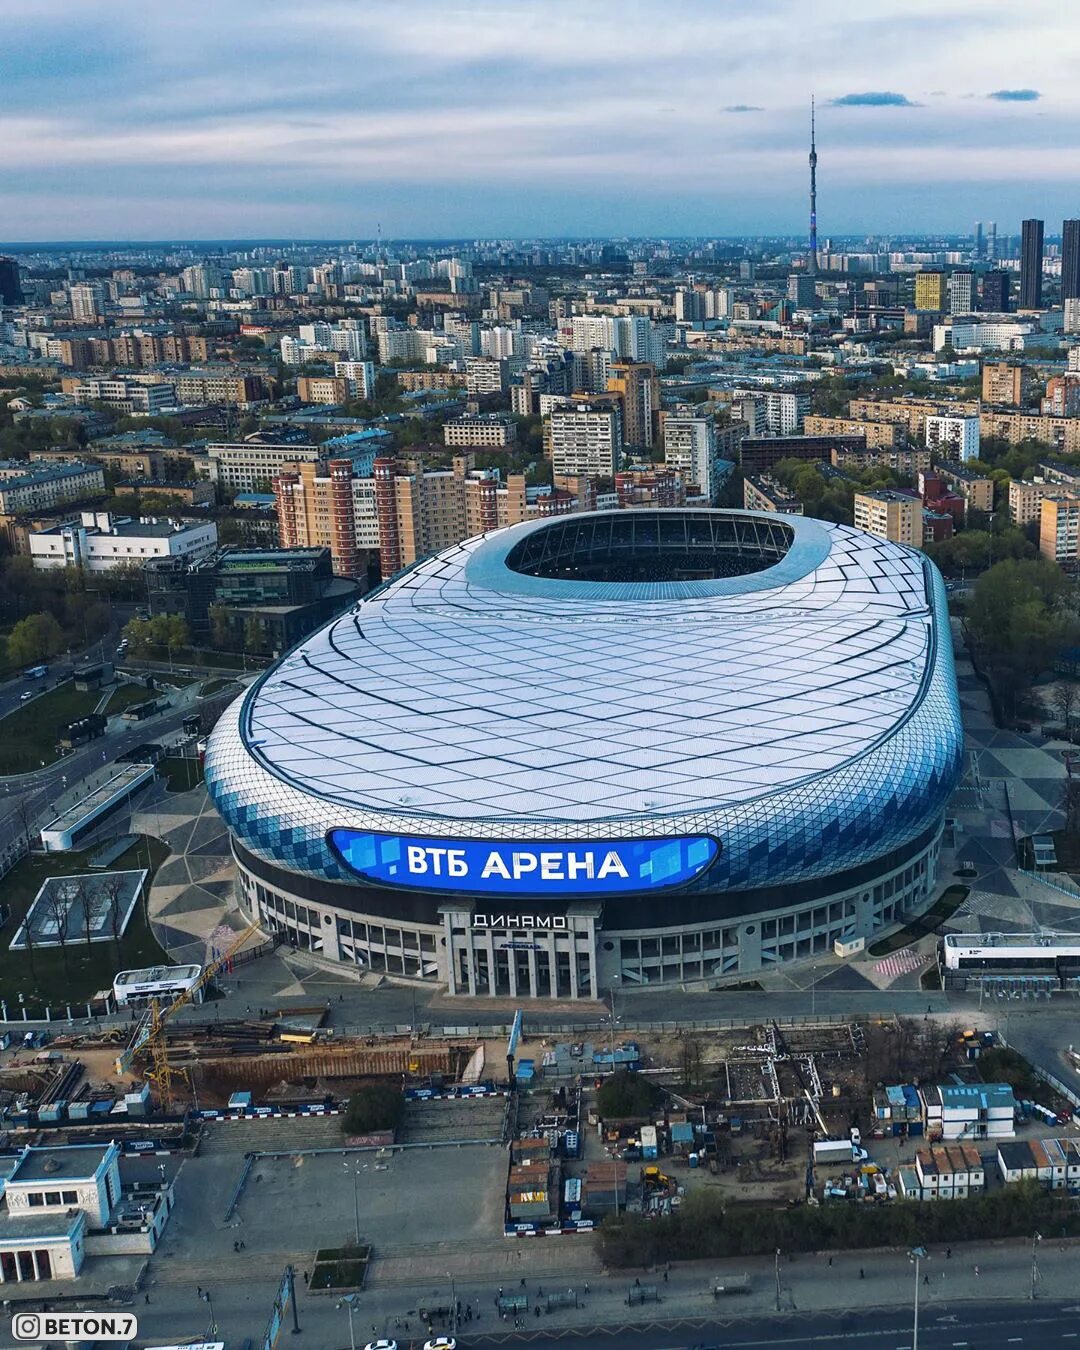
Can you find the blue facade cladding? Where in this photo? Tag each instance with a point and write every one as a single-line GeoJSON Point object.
{"type": "Point", "coordinates": [836, 741]}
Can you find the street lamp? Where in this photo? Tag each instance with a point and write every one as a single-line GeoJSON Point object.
{"type": "Point", "coordinates": [350, 1301]}
{"type": "Point", "coordinates": [356, 1199]}
{"type": "Point", "coordinates": [212, 1327]}
{"type": "Point", "coordinates": [1035, 1240]}
{"type": "Point", "coordinates": [916, 1254]}
{"type": "Point", "coordinates": [453, 1304]}
{"type": "Point", "coordinates": [778, 1279]}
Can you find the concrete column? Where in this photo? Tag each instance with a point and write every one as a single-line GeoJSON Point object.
{"type": "Point", "coordinates": [37, 1269]}
{"type": "Point", "coordinates": [573, 964]}
{"type": "Point", "coordinates": [532, 970]}
{"type": "Point", "coordinates": [511, 966]}
{"type": "Point", "coordinates": [594, 991]}
{"type": "Point", "coordinates": [451, 955]}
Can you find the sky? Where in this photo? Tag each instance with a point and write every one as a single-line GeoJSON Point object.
{"type": "Point", "coordinates": [430, 118]}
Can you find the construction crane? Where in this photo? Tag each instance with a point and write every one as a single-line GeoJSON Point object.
{"type": "Point", "coordinates": [150, 1034]}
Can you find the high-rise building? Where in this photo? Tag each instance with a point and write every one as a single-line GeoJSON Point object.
{"type": "Point", "coordinates": [87, 301]}
{"type": "Point", "coordinates": [930, 291]}
{"type": "Point", "coordinates": [991, 242]}
{"type": "Point", "coordinates": [11, 292]}
{"type": "Point", "coordinates": [977, 251]}
{"type": "Point", "coordinates": [812, 254]}
{"type": "Point", "coordinates": [1070, 259]}
{"type": "Point", "coordinates": [802, 290]}
{"type": "Point", "coordinates": [1003, 383]}
{"type": "Point", "coordinates": [1059, 527]}
{"type": "Point", "coordinates": [690, 450]}
{"type": "Point", "coordinates": [958, 435]}
{"type": "Point", "coordinates": [1031, 263]}
{"type": "Point", "coordinates": [586, 438]}
{"type": "Point", "coordinates": [995, 292]}
{"type": "Point", "coordinates": [636, 384]}
{"type": "Point", "coordinates": [961, 292]}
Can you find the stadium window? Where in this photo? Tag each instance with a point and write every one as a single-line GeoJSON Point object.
{"type": "Point", "coordinates": [70, 1197]}
{"type": "Point", "coordinates": [35, 1200]}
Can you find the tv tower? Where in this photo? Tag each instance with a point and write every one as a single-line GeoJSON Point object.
{"type": "Point", "coordinates": [811, 259]}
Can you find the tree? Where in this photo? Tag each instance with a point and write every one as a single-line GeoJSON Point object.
{"type": "Point", "coordinates": [626, 1094]}
{"type": "Point", "coordinates": [254, 634]}
{"type": "Point", "coordinates": [55, 903]}
{"type": "Point", "coordinates": [82, 897]}
{"type": "Point", "coordinates": [373, 1108]}
{"type": "Point", "coordinates": [220, 631]}
{"type": "Point", "coordinates": [35, 638]}
{"type": "Point", "coordinates": [113, 888]}
{"type": "Point", "coordinates": [1064, 701]}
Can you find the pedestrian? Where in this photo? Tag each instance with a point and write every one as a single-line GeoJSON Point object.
{"type": "Point", "coordinates": [538, 1310]}
{"type": "Point", "coordinates": [586, 1286]}
{"type": "Point", "coordinates": [523, 1284]}
{"type": "Point", "coordinates": [830, 1260]}
{"type": "Point", "coordinates": [926, 1279]}
{"type": "Point", "coordinates": [147, 1297]}
{"type": "Point", "coordinates": [198, 1290]}
{"type": "Point", "coordinates": [637, 1284]}
{"type": "Point", "coordinates": [665, 1277]}
{"type": "Point", "coordinates": [976, 1270]}
{"type": "Point", "coordinates": [948, 1253]}
{"type": "Point", "coordinates": [862, 1273]}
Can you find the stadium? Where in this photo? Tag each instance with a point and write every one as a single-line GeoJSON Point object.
{"type": "Point", "coordinates": [635, 748]}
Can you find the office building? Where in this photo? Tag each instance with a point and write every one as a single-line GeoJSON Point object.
{"type": "Point", "coordinates": [585, 438]}
{"type": "Point", "coordinates": [98, 541]}
{"type": "Point", "coordinates": [690, 451]}
{"type": "Point", "coordinates": [802, 290]}
{"type": "Point", "coordinates": [277, 596]}
{"type": "Point", "coordinates": [635, 383]}
{"type": "Point", "coordinates": [957, 435]}
{"type": "Point", "coordinates": [1059, 527]}
{"type": "Point", "coordinates": [11, 292]}
{"type": "Point", "coordinates": [727, 845]}
{"type": "Point", "coordinates": [1031, 264]}
{"type": "Point", "coordinates": [961, 292]}
{"type": "Point", "coordinates": [761, 454]}
{"type": "Point", "coordinates": [1070, 260]}
{"type": "Point", "coordinates": [245, 466]}
{"type": "Point", "coordinates": [930, 289]}
{"type": "Point", "coordinates": [890, 514]}
{"type": "Point", "coordinates": [994, 292]}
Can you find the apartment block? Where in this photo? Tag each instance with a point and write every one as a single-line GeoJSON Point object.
{"type": "Point", "coordinates": [959, 434]}
{"type": "Point", "coordinates": [636, 385]}
{"type": "Point", "coordinates": [976, 489]}
{"type": "Point", "coordinates": [586, 438]}
{"type": "Point", "coordinates": [658, 488]}
{"type": "Point", "coordinates": [328, 389]}
{"type": "Point", "coordinates": [359, 377]}
{"type": "Point", "coordinates": [908, 462]}
{"type": "Point", "coordinates": [764, 493]}
{"type": "Point", "coordinates": [1063, 433]}
{"type": "Point", "coordinates": [690, 451]}
{"type": "Point", "coordinates": [495, 430]}
{"type": "Point", "coordinates": [244, 466]}
{"type": "Point", "coordinates": [890, 514]}
{"type": "Point", "coordinates": [1003, 384]}
{"type": "Point", "coordinates": [930, 291]}
{"type": "Point", "coordinates": [1059, 527]}
{"type": "Point", "coordinates": [24, 488]}
{"type": "Point", "coordinates": [879, 435]}
{"type": "Point", "coordinates": [911, 413]}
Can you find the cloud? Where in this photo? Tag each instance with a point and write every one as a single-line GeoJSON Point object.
{"type": "Point", "coordinates": [884, 99]}
{"type": "Point", "coordinates": [743, 107]}
{"type": "Point", "coordinates": [1015, 95]}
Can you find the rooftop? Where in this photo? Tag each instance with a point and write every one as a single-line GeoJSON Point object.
{"type": "Point", "coordinates": [70, 1162]}
{"type": "Point", "coordinates": [125, 777]}
{"type": "Point", "coordinates": [59, 1224]}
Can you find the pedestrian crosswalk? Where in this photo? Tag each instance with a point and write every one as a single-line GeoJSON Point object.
{"type": "Point", "coordinates": [901, 963]}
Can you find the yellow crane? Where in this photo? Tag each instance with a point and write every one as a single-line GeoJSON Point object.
{"type": "Point", "coordinates": [150, 1035]}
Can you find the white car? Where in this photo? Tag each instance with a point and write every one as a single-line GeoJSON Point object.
{"type": "Point", "coordinates": [441, 1343]}
{"type": "Point", "coordinates": [381, 1345]}
{"type": "Point", "coordinates": [26, 696]}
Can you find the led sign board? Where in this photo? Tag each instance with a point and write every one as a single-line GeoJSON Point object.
{"type": "Point", "coordinates": [521, 867]}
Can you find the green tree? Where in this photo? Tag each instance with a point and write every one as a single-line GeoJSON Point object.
{"type": "Point", "coordinates": [220, 632]}
{"type": "Point", "coordinates": [626, 1094]}
{"type": "Point", "coordinates": [254, 634]}
{"type": "Point", "coordinates": [373, 1108]}
{"type": "Point", "coordinates": [35, 638]}
{"type": "Point", "coordinates": [139, 634]}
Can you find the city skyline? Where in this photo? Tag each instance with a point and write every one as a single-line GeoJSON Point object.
{"type": "Point", "coordinates": [505, 122]}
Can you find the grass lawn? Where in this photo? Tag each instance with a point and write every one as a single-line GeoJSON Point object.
{"type": "Point", "coordinates": [29, 735]}
{"type": "Point", "coordinates": [951, 900]}
{"type": "Point", "coordinates": [181, 775]}
{"type": "Point", "coordinates": [127, 696]}
{"type": "Point", "coordinates": [43, 976]}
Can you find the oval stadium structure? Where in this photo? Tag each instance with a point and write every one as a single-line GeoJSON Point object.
{"type": "Point", "coordinates": [638, 746]}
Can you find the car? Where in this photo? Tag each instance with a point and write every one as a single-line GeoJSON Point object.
{"type": "Point", "coordinates": [441, 1343]}
{"type": "Point", "coordinates": [381, 1345]}
{"type": "Point", "coordinates": [26, 695]}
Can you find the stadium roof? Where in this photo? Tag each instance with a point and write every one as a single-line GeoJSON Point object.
{"type": "Point", "coordinates": [469, 691]}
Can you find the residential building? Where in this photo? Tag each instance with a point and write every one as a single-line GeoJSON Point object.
{"type": "Point", "coordinates": [320, 506]}
{"type": "Point", "coordinates": [1003, 383]}
{"type": "Point", "coordinates": [242, 466]}
{"type": "Point", "coordinates": [87, 301]}
{"type": "Point", "coordinates": [586, 438]}
{"type": "Point", "coordinates": [636, 384]}
{"type": "Point", "coordinates": [649, 487]}
{"type": "Point", "coordinates": [968, 1111]}
{"type": "Point", "coordinates": [1053, 1163]}
{"type": "Point", "coordinates": [485, 376]}
{"type": "Point", "coordinates": [98, 541]}
{"type": "Point", "coordinates": [960, 434]}
{"type": "Point", "coordinates": [359, 377]}
{"type": "Point", "coordinates": [911, 412]}
{"type": "Point", "coordinates": [1031, 264]}
{"type": "Point", "coordinates": [890, 514]}
{"type": "Point", "coordinates": [413, 380]}
{"type": "Point", "coordinates": [1059, 527]}
{"type": "Point", "coordinates": [878, 435]}
{"type": "Point", "coordinates": [276, 595]}
{"type": "Point", "coordinates": [1072, 318]}
{"type": "Point", "coordinates": [25, 488]}
{"type": "Point", "coordinates": [328, 389]}
{"type": "Point", "coordinates": [480, 429]}
{"type": "Point", "coordinates": [976, 489]}
{"type": "Point", "coordinates": [1026, 498]}
{"type": "Point", "coordinates": [930, 291]}
{"type": "Point", "coordinates": [961, 292]}
{"type": "Point", "coordinates": [782, 412]}
{"type": "Point", "coordinates": [193, 493]}
{"type": "Point", "coordinates": [1063, 433]}
{"type": "Point", "coordinates": [907, 462]}
{"type": "Point", "coordinates": [690, 450]}
{"type": "Point", "coordinates": [761, 492]}
{"type": "Point", "coordinates": [198, 388]}
{"type": "Point", "coordinates": [760, 454]}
